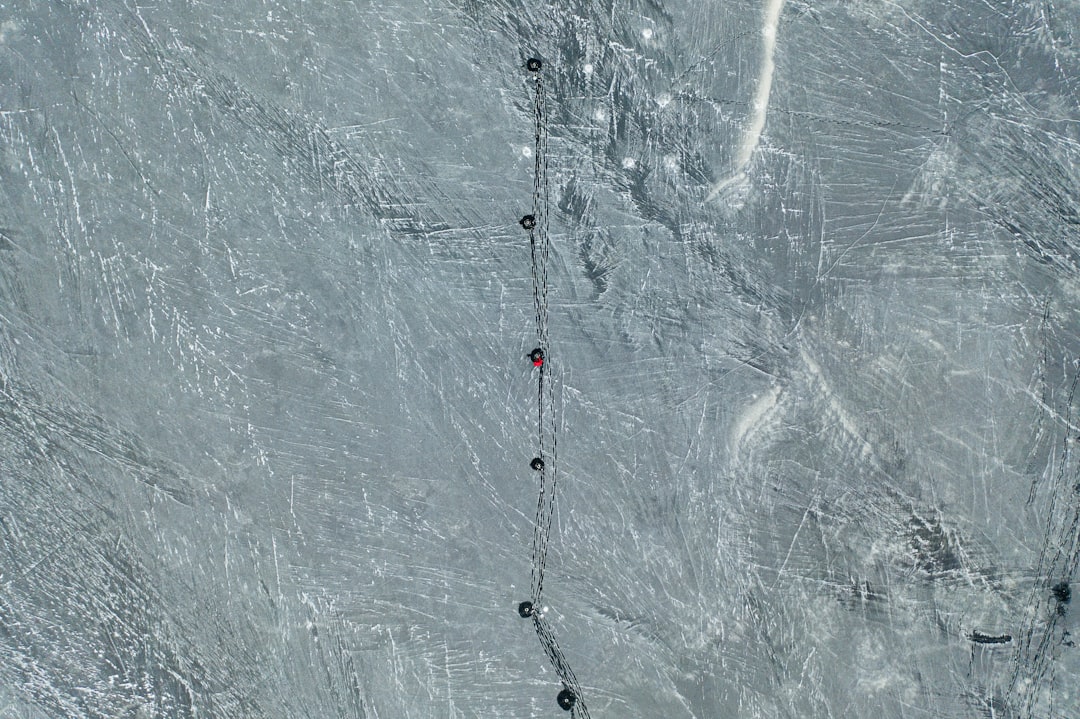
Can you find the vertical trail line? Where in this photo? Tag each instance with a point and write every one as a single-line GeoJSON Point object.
{"type": "Point", "coordinates": [546, 462]}
{"type": "Point", "coordinates": [760, 106]}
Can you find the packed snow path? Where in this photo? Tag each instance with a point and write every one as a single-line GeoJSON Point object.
{"type": "Point", "coordinates": [545, 464]}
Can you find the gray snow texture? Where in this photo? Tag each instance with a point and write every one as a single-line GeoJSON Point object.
{"type": "Point", "coordinates": [814, 321]}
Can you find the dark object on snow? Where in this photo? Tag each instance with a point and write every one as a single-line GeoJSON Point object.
{"type": "Point", "coordinates": [566, 699]}
{"type": "Point", "coordinates": [537, 357]}
{"type": "Point", "coordinates": [525, 610]}
{"type": "Point", "coordinates": [533, 64]}
{"type": "Point", "coordinates": [537, 464]}
{"type": "Point", "coordinates": [1062, 592]}
{"type": "Point", "coordinates": [980, 638]}
{"type": "Point", "coordinates": [528, 222]}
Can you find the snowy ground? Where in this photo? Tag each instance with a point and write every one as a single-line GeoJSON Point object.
{"type": "Point", "coordinates": [265, 412]}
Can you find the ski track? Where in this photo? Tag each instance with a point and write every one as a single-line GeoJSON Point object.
{"type": "Point", "coordinates": [807, 277]}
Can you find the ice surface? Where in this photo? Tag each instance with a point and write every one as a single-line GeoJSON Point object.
{"type": "Point", "coordinates": [266, 411]}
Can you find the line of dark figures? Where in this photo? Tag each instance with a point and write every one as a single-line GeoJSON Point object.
{"type": "Point", "coordinates": [567, 698]}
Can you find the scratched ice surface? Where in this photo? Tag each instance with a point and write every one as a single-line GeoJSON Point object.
{"type": "Point", "coordinates": [267, 416]}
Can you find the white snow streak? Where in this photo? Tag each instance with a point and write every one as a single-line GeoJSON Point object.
{"type": "Point", "coordinates": [760, 105]}
{"type": "Point", "coordinates": [752, 417]}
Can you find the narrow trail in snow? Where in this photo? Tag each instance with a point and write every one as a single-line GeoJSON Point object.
{"type": "Point", "coordinates": [545, 464]}
{"type": "Point", "coordinates": [760, 105]}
